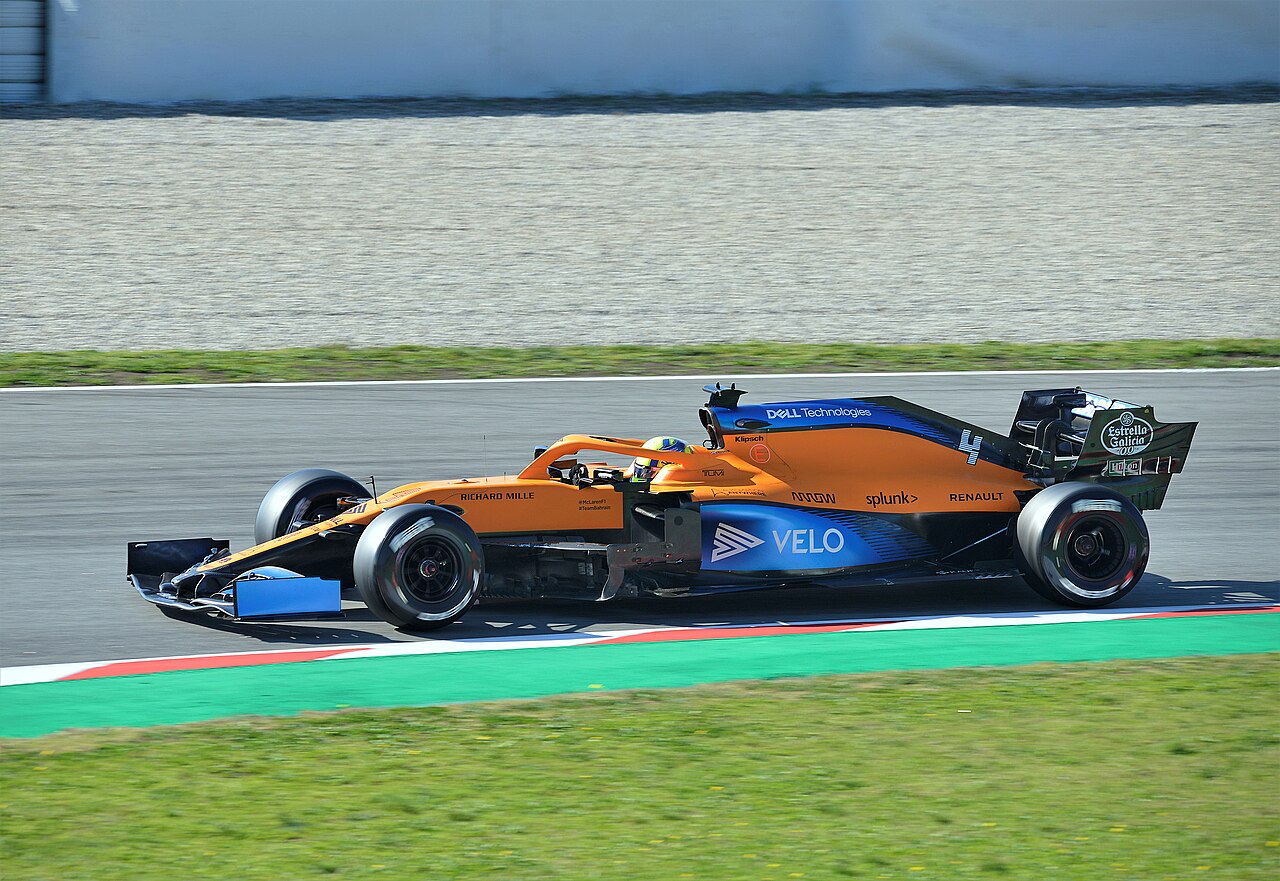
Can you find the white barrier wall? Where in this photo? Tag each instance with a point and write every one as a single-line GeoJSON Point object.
{"type": "Point", "coordinates": [175, 50]}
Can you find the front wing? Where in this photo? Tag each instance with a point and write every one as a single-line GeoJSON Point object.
{"type": "Point", "coordinates": [263, 592]}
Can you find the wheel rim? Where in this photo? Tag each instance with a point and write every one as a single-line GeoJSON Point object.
{"type": "Point", "coordinates": [1095, 549]}
{"type": "Point", "coordinates": [429, 570]}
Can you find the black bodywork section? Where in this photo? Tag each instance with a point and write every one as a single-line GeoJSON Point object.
{"type": "Point", "coordinates": [1074, 435]}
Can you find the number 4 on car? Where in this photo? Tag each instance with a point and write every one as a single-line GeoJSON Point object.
{"type": "Point", "coordinates": [836, 492]}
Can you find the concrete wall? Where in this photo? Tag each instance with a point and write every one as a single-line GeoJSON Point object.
{"type": "Point", "coordinates": [173, 50]}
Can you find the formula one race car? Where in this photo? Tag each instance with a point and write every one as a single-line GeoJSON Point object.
{"type": "Point", "coordinates": [830, 492]}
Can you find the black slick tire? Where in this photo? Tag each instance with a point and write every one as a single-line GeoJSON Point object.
{"type": "Point", "coordinates": [1081, 544]}
{"type": "Point", "coordinates": [418, 567]}
{"type": "Point", "coordinates": [309, 495]}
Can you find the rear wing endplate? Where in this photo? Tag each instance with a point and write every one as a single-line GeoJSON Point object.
{"type": "Point", "coordinates": [1129, 450]}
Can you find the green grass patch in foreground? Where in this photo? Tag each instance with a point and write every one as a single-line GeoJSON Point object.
{"type": "Point", "coordinates": [425, 362]}
{"type": "Point", "coordinates": [1125, 769]}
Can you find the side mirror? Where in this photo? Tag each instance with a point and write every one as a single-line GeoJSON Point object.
{"type": "Point", "coordinates": [538, 451]}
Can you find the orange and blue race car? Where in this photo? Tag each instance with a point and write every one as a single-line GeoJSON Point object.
{"type": "Point", "coordinates": [833, 492]}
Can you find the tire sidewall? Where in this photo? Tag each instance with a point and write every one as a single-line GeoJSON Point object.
{"type": "Point", "coordinates": [1045, 525]}
{"type": "Point", "coordinates": [283, 501]}
{"type": "Point", "coordinates": [375, 564]}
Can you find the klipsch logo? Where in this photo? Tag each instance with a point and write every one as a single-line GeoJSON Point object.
{"type": "Point", "coordinates": [729, 541]}
{"type": "Point", "coordinates": [1127, 435]}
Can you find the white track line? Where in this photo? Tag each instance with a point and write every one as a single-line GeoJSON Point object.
{"type": "Point", "coordinates": [43, 672]}
{"type": "Point", "coordinates": [679, 377]}
{"type": "Point", "coordinates": [53, 672]}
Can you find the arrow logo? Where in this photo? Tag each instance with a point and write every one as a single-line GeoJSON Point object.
{"type": "Point", "coordinates": [730, 541]}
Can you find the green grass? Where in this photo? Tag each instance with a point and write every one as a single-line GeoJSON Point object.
{"type": "Point", "coordinates": [1125, 770]}
{"type": "Point", "coordinates": [423, 362]}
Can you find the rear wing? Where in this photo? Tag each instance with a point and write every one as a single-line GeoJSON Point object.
{"type": "Point", "coordinates": [1072, 434]}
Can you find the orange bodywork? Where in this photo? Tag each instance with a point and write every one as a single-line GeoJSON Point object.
{"type": "Point", "coordinates": [855, 469]}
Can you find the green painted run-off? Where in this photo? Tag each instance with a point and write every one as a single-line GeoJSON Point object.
{"type": "Point", "coordinates": [286, 689]}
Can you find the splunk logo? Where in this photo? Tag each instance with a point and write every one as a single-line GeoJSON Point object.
{"type": "Point", "coordinates": [901, 497]}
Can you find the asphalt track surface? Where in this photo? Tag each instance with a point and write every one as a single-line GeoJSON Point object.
{"type": "Point", "coordinates": [1053, 217]}
{"type": "Point", "coordinates": [86, 471]}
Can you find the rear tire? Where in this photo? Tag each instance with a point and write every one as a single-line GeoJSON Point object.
{"type": "Point", "coordinates": [418, 567]}
{"type": "Point", "coordinates": [306, 496]}
{"type": "Point", "coordinates": [1082, 544]}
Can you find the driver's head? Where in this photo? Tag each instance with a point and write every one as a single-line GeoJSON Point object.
{"type": "Point", "coordinates": [644, 469]}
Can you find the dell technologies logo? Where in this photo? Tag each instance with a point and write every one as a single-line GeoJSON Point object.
{"type": "Point", "coordinates": [816, 412]}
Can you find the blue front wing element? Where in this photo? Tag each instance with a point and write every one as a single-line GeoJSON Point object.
{"type": "Point", "coordinates": [286, 595]}
{"type": "Point", "coordinates": [763, 537]}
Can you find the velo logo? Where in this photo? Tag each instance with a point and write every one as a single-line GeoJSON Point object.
{"type": "Point", "coordinates": [729, 541]}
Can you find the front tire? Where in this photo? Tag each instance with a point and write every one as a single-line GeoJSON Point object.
{"type": "Point", "coordinates": [418, 567]}
{"type": "Point", "coordinates": [1082, 544]}
{"type": "Point", "coordinates": [306, 496]}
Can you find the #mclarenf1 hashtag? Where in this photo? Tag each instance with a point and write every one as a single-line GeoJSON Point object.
{"type": "Point", "coordinates": [834, 492]}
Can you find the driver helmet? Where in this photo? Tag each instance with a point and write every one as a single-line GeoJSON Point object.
{"type": "Point", "coordinates": [644, 469]}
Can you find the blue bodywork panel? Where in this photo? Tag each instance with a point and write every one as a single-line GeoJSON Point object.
{"type": "Point", "coordinates": [827, 414]}
{"type": "Point", "coordinates": [287, 595]}
{"type": "Point", "coordinates": [763, 537]}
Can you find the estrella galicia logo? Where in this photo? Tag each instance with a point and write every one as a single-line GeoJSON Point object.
{"type": "Point", "coordinates": [971, 444]}
{"type": "Point", "coordinates": [729, 541]}
{"type": "Point", "coordinates": [1127, 435]}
